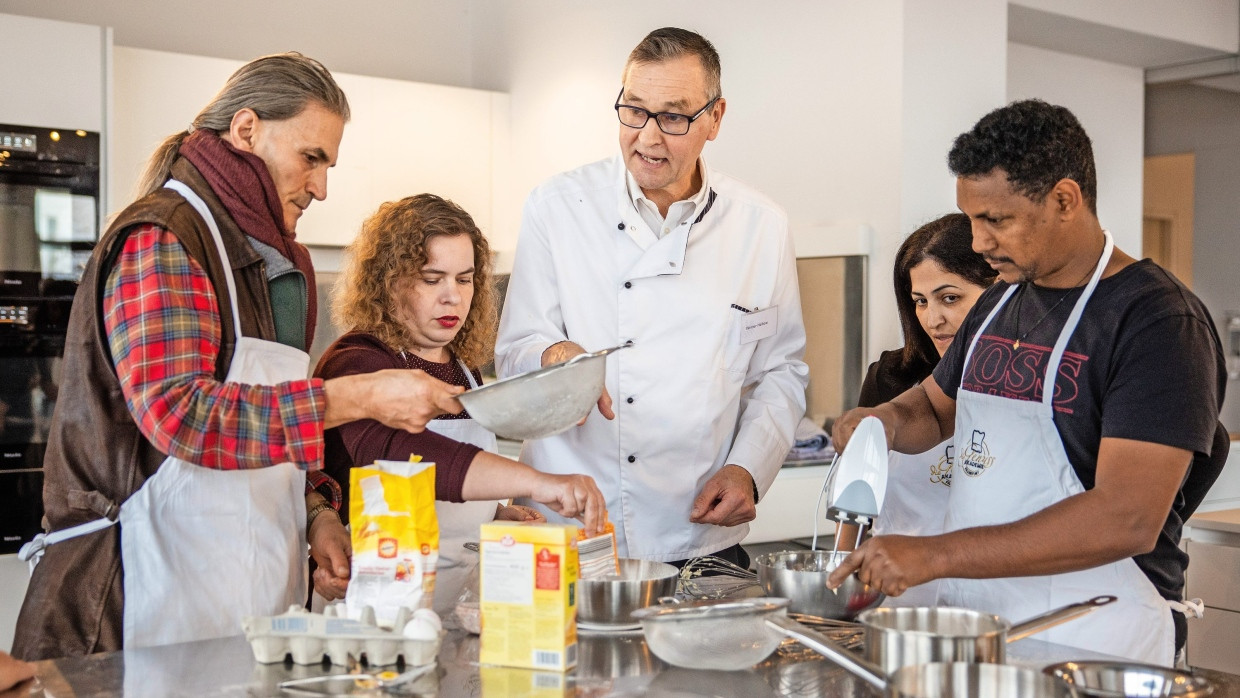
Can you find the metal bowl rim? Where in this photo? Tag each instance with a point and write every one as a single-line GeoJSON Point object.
{"type": "Point", "coordinates": [866, 618]}
{"type": "Point", "coordinates": [1200, 685]}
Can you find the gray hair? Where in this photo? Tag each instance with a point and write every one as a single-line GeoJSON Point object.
{"type": "Point", "coordinates": [670, 42]}
{"type": "Point", "coordinates": [276, 87]}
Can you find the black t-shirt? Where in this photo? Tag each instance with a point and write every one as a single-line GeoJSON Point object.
{"type": "Point", "coordinates": [1145, 363]}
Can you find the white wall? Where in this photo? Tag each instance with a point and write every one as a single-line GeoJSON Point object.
{"type": "Point", "coordinates": [404, 138]}
{"type": "Point", "coordinates": [1109, 100]}
{"type": "Point", "coordinates": [947, 85]}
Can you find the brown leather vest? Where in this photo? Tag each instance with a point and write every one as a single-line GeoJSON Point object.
{"type": "Point", "coordinates": [96, 456]}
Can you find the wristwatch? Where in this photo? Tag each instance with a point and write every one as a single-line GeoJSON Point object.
{"type": "Point", "coordinates": [316, 510]}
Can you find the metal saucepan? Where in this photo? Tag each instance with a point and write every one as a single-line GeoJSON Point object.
{"type": "Point", "coordinates": [801, 577]}
{"type": "Point", "coordinates": [609, 602]}
{"type": "Point", "coordinates": [732, 634]}
{"type": "Point", "coordinates": [1123, 680]}
{"type": "Point", "coordinates": [543, 402]}
{"type": "Point", "coordinates": [897, 637]}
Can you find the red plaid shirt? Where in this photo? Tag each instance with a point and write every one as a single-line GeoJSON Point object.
{"type": "Point", "coordinates": [163, 328]}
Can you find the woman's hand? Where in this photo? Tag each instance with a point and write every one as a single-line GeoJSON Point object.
{"type": "Point", "coordinates": [516, 512]}
{"type": "Point", "coordinates": [13, 672]}
{"type": "Point", "coordinates": [573, 496]}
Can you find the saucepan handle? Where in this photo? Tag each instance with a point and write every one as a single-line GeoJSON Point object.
{"type": "Point", "coordinates": [1052, 618]}
{"type": "Point", "coordinates": [866, 671]}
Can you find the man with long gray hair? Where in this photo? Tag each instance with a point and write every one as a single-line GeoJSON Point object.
{"type": "Point", "coordinates": [696, 271]}
{"type": "Point", "coordinates": [185, 413]}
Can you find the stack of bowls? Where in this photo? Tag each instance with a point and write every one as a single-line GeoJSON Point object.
{"type": "Point", "coordinates": [607, 603]}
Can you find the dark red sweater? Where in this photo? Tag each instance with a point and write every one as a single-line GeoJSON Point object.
{"type": "Point", "coordinates": [366, 440]}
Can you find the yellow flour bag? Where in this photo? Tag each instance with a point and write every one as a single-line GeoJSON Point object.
{"type": "Point", "coordinates": [395, 538]}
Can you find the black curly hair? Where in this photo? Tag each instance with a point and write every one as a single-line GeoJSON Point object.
{"type": "Point", "coordinates": [1035, 143]}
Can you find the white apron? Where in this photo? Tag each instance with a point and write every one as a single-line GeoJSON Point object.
{"type": "Point", "coordinates": [1011, 463]}
{"type": "Point", "coordinates": [202, 548]}
{"type": "Point", "coordinates": [918, 486]}
{"type": "Point", "coordinates": [459, 521]}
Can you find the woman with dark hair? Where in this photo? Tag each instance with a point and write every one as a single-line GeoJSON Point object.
{"type": "Point", "coordinates": [938, 278]}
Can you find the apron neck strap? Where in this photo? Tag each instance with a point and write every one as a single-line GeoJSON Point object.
{"type": "Point", "coordinates": [201, 207]}
{"type": "Point", "coordinates": [469, 376]}
{"type": "Point", "coordinates": [1052, 367]}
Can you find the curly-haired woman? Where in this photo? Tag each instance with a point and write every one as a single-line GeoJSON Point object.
{"type": "Point", "coordinates": [417, 293]}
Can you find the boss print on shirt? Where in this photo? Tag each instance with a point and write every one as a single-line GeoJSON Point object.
{"type": "Point", "coordinates": [998, 369]}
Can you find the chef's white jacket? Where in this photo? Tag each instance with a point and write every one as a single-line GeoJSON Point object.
{"type": "Point", "coordinates": [690, 395]}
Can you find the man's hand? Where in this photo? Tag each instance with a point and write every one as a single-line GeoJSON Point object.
{"type": "Point", "coordinates": [572, 496]}
{"type": "Point", "coordinates": [398, 398]}
{"type": "Point", "coordinates": [844, 427]}
{"type": "Point", "coordinates": [563, 351]}
{"type": "Point", "coordinates": [331, 549]}
{"type": "Point", "coordinates": [726, 499]}
{"type": "Point", "coordinates": [890, 564]}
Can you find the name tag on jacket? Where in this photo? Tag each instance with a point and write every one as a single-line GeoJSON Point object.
{"type": "Point", "coordinates": [759, 324]}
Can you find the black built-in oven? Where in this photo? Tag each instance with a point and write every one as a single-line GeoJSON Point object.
{"type": "Point", "coordinates": [49, 223]}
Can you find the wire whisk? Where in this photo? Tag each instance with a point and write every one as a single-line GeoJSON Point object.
{"type": "Point", "coordinates": [710, 577]}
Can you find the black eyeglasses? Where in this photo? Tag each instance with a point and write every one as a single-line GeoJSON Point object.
{"type": "Point", "coordinates": [671, 123]}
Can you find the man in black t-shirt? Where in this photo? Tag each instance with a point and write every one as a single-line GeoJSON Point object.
{"type": "Point", "coordinates": [1081, 491]}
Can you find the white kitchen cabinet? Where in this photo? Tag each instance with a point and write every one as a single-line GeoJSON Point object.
{"type": "Point", "coordinates": [404, 138]}
{"type": "Point", "coordinates": [1212, 541]}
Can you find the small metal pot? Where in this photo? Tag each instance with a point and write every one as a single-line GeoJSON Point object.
{"type": "Point", "coordinates": [898, 637]}
{"type": "Point", "coordinates": [609, 602]}
{"type": "Point", "coordinates": [932, 679]}
{"type": "Point", "coordinates": [801, 577]}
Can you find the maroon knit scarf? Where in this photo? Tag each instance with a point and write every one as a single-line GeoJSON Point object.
{"type": "Point", "coordinates": [244, 186]}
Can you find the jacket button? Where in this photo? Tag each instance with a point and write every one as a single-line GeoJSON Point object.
{"type": "Point", "coordinates": [620, 225]}
{"type": "Point", "coordinates": [632, 458]}
{"type": "Point", "coordinates": [628, 284]}
{"type": "Point", "coordinates": [629, 400]}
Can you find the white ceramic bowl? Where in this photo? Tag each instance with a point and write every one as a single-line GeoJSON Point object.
{"type": "Point", "coordinates": [543, 402]}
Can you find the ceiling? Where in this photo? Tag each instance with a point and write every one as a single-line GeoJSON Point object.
{"type": "Point", "coordinates": [420, 40]}
{"type": "Point", "coordinates": [1057, 32]}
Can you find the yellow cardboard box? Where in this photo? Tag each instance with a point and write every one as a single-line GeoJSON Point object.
{"type": "Point", "coordinates": [528, 595]}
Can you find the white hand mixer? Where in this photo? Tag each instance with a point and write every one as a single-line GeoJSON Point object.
{"type": "Point", "coordinates": [857, 479]}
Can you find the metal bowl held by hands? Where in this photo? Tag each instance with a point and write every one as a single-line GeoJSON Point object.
{"type": "Point", "coordinates": [1124, 680]}
{"type": "Point", "coordinates": [543, 402]}
{"type": "Point", "coordinates": [801, 577]}
{"type": "Point", "coordinates": [609, 602]}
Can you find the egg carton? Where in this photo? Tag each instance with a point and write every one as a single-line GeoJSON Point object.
{"type": "Point", "coordinates": [309, 637]}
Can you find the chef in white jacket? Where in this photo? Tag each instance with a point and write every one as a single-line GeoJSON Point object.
{"type": "Point", "coordinates": [697, 273]}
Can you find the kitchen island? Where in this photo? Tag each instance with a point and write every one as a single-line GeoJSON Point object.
{"type": "Point", "coordinates": [609, 665]}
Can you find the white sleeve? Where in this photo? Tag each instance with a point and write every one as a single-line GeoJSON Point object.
{"type": "Point", "coordinates": [773, 401]}
{"type": "Point", "coordinates": [531, 320]}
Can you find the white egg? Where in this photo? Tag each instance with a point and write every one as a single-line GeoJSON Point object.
{"type": "Point", "coordinates": [420, 629]}
{"type": "Point", "coordinates": [429, 616]}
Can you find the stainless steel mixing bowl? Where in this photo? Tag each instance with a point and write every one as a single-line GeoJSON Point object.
{"type": "Point", "coordinates": [543, 402]}
{"type": "Point", "coordinates": [609, 602]}
{"type": "Point", "coordinates": [801, 577]}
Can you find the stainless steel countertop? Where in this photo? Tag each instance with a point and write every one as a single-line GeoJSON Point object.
{"type": "Point", "coordinates": [609, 665]}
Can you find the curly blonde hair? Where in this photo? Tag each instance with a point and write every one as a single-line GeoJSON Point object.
{"type": "Point", "coordinates": [389, 252]}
